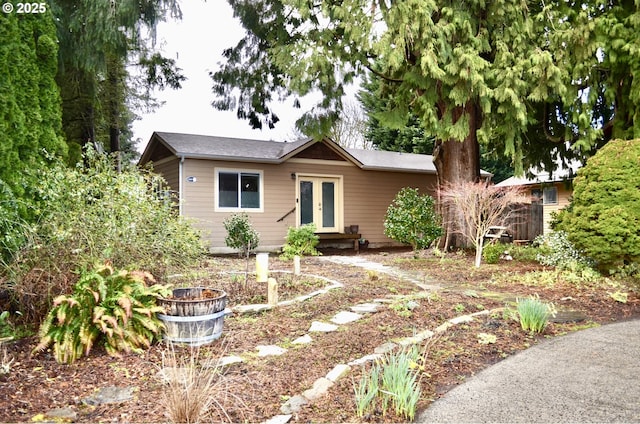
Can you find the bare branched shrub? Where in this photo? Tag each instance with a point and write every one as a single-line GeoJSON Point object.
{"type": "Point", "coordinates": [197, 388]}
{"type": "Point", "coordinates": [481, 206]}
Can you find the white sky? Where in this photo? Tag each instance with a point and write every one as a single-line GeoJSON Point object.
{"type": "Point", "coordinates": [197, 42]}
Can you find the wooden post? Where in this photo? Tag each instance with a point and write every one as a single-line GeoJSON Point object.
{"type": "Point", "coordinates": [296, 265]}
{"type": "Point", "coordinates": [262, 267]}
{"type": "Point", "coordinates": [272, 291]}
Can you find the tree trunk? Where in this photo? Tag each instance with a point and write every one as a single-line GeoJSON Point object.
{"type": "Point", "coordinates": [114, 102]}
{"type": "Point", "coordinates": [457, 161]}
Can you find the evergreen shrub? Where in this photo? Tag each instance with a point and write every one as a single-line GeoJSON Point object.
{"type": "Point", "coordinates": [301, 241]}
{"type": "Point", "coordinates": [411, 218]}
{"type": "Point", "coordinates": [603, 219]}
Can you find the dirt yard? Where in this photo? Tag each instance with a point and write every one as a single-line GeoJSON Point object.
{"type": "Point", "coordinates": [254, 390]}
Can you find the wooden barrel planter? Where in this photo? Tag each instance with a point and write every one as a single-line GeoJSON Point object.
{"type": "Point", "coordinates": [193, 315]}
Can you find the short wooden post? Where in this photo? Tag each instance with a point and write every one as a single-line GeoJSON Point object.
{"type": "Point", "coordinates": [262, 267]}
{"type": "Point", "coordinates": [272, 291]}
{"type": "Point", "coordinates": [296, 265]}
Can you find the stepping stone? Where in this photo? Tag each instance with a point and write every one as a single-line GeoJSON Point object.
{"type": "Point", "coordinates": [109, 395]}
{"type": "Point", "coordinates": [259, 307]}
{"type": "Point", "coordinates": [66, 414]}
{"type": "Point", "coordinates": [279, 419]}
{"type": "Point", "coordinates": [365, 359]}
{"type": "Point", "coordinates": [294, 404]}
{"type": "Point", "coordinates": [338, 372]}
{"type": "Point", "coordinates": [461, 319]}
{"type": "Point", "coordinates": [228, 360]}
{"type": "Point", "coordinates": [320, 388]}
{"type": "Point", "coordinates": [270, 350]}
{"type": "Point", "coordinates": [322, 327]}
{"type": "Point", "coordinates": [385, 348]}
{"type": "Point", "coordinates": [345, 317]}
{"type": "Point", "coordinates": [562, 317]}
{"type": "Point", "coordinates": [366, 308]}
{"type": "Point", "coordinates": [306, 339]}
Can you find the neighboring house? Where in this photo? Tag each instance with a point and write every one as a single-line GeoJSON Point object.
{"type": "Point", "coordinates": [281, 185]}
{"type": "Point", "coordinates": [552, 191]}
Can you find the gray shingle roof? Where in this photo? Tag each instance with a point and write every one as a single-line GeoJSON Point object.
{"type": "Point", "coordinates": [261, 151]}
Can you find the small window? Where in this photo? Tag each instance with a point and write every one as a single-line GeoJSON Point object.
{"type": "Point", "coordinates": [550, 196]}
{"type": "Point", "coordinates": [239, 190]}
{"type": "Point", "coordinates": [536, 196]}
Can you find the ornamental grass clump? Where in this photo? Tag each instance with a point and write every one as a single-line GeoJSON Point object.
{"type": "Point", "coordinates": [115, 308]}
{"type": "Point", "coordinates": [392, 383]}
{"type": "Point", "coordinates": [534, 314]}
{"type": "Point", "coordinates": [196, 387]}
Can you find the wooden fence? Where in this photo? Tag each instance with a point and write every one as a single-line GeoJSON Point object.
{"type": "Point", "coordinates": [525, 221]}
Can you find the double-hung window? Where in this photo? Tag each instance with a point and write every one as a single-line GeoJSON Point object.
{"type": "Point", "coordinates": [239, 190]}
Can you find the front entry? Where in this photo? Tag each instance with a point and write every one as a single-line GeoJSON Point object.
{"type": "Point", "coordinates": [320, 203]}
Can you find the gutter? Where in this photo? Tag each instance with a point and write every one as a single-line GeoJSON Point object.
{"type": "Point", "coordinates": [180, 184]}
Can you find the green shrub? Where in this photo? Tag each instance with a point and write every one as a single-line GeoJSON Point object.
{"type": "Point", "coordinates": [604, 215]}
{"type": "Point", "coordinates": [556, 250]}
{"type": "Point", "coordinates": [114, 308]}
{"type": "Point", "coordinates": [412, 219]}
{"type": "Point", "coordinates": [300, 241]}
{"type": "Point", "coordinates": [534, 314]}
{"type": "Point", "coordinates": [524, 253]}
{"type": "Point", "coordinates": [92, 213]}
{"type": "Point", "coordinates": [240, 234]}
{"type": "Point", "coordinates": [491, 252]}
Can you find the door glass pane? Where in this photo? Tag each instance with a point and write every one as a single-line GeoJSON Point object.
{"type": "Point", "coordinates": [250, 194]}
{"type": "Point", "coordinates": [306, 202]}
{"type": "Point", "coordinates": [328, 205]}
{"type": "Point", "coordinates": [228, 190]}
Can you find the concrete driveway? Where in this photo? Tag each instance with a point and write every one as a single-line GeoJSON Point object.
{"type": "Point", "coordinates": [588, 376]}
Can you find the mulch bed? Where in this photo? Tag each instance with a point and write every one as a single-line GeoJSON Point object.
{"type": "Point", "coordinates": [37, 384]}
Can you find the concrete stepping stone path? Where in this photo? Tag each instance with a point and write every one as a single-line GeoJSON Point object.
{"type": "Point", "coordinates": [345, 317]}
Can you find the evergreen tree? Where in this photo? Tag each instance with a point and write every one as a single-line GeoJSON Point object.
{"type": "Point", "coordinates": [99, 41]}
{"type": "Point", "coordinates": [30, 113]}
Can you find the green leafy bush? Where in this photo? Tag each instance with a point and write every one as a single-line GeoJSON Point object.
{"type": "Point", "coordinates": [300, 241]}
{"type": "Point", "coordinates": [604, 216]}
{"type": "Point", "coordinates": [556, 250]}
{"type": "Point", "coordinates": [114, 308]}
{"type": "Point", "coordinates": [240, 234]}
{"type": "Point", "coordinates": [88, 214]}
{"type": "Point", "coordinates": [491, 252]}
{"type": "Point", "coordinates": [412, 219]}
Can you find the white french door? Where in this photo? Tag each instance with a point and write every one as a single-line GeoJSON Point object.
{"type": "Point", "coordinates": [320, 203]}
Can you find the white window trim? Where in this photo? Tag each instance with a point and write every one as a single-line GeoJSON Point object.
{"type": "Point", "coordinates": [216, 195]}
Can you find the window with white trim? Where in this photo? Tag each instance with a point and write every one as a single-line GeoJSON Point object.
{"type": "Point", "coordinates": [238, 190]}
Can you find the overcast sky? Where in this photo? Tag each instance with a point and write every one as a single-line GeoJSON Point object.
{"type": "Point", "coordinates": [196, 42]}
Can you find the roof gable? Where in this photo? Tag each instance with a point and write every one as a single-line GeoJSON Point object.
{"type": "Point", "coordinates": [319, 150]}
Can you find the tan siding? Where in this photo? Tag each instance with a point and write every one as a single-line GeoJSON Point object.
{"type": "Point", "coordinates": [170, 171]}
{"type": "Point", "coordinates": [564, 198]}
{"type": "Point", "coordinates": [367, 194]}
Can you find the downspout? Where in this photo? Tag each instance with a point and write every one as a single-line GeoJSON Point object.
{"type": "Point", "coordinates": [180, 184]}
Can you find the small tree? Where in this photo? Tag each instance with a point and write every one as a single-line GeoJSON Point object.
{"type": "Point", "coordinates": [412, 219]}
{"type": "Point", "coordinates": [300, 241]}
{"type": "Point", "coordinates": [481, 207]}
{"type": "Point", "coordinates": [242, 236]}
